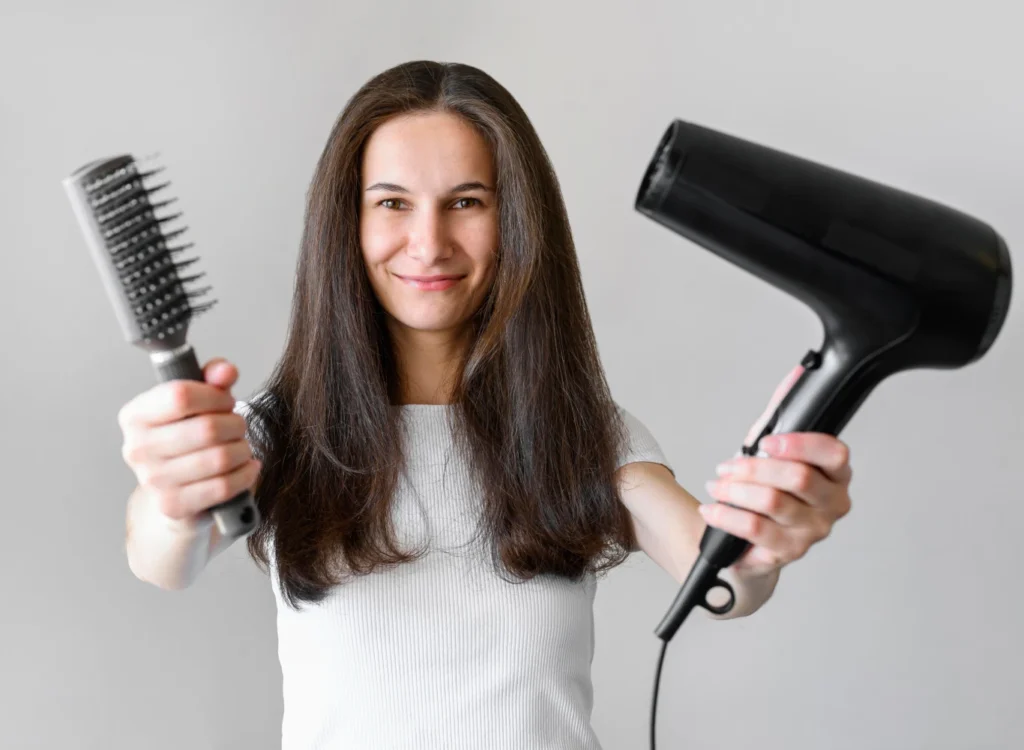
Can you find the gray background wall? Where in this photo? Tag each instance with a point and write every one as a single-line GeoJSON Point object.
{"type": "Point", "coordinates": [900, 631]}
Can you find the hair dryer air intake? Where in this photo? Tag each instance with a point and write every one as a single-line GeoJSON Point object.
{"type": "Point", "coordinates": [898, 281]}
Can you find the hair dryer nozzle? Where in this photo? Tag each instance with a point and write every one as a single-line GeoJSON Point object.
{"type": "Point", "coordinates": [838, 242]}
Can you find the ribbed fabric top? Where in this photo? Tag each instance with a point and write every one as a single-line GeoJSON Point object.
{"type": "Point", "coordinates": [442, 652]}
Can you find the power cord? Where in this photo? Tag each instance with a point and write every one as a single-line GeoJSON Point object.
{"type": "Point", "coordinates": [657, 681]}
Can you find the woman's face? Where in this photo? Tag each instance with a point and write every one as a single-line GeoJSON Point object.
{"type": "Point", "coordinates": [428, 220]}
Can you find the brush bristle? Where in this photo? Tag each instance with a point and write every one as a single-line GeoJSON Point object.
{"type": "Point", "coordinates": [138, 238]}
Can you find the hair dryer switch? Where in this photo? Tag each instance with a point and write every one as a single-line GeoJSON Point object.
{"type": "Point", "coordinates": [811, 360]}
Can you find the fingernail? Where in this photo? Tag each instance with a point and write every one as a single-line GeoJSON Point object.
{"type": "Point", "coordinates": [726, 467]}
{"type": "Point", "coordinates": [710, 486]}
{"type": "Point", "coordinates": [771, 444]}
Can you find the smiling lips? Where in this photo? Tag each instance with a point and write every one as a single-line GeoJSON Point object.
{"type": "Point", "coordinates": [431, 283]}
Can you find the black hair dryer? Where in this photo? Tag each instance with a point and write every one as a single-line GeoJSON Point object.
{"type": "Point", "coordinates": [898, 281]}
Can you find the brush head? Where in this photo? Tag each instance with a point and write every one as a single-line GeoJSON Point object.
{"type": "Point", "coordinates": [133, 247]}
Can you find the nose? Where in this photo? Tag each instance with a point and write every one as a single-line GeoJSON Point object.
{"type": "Point", "coordinates": [429, 239]}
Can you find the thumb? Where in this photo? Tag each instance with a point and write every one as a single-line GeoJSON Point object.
{"type": "Point", "coordinates": [221, 373]}
{"type": "Point", "coordinates": [780, 393]}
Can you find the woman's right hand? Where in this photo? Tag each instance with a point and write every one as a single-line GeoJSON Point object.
{"type": "Point", "coordinates": [185, 444]}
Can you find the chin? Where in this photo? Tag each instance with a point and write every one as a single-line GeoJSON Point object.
{"type": "Point", "coordinates": [429, 323]}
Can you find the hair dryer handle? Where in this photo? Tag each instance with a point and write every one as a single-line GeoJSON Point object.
{"type": "Point", "coordinates": [834, 383]}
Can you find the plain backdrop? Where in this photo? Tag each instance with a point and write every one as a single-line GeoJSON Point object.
{"type": "Point", "coordinates": [901, 630]}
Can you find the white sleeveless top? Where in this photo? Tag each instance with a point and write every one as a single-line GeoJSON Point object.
{"type": "Point", "coordinates": [442, 652]}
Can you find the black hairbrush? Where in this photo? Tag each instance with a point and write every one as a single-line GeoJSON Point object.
{"type": "Point", "coordinates": [132, 250]}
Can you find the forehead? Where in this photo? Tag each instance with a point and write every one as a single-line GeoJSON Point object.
{"type": "Point", "coordinates": [427, 148]}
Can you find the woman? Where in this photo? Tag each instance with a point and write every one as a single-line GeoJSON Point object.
{"type": "Point", "coordinates": [443, 470]}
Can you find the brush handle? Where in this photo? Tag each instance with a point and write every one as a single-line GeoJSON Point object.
{"type": "Point", "coordinates": [236, 517]}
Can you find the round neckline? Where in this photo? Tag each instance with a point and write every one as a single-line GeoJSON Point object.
{"type": "Point", "coordinates": [425, 411]}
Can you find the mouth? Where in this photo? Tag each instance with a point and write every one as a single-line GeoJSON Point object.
{"type": "Point", "coordinates": [431, 283]}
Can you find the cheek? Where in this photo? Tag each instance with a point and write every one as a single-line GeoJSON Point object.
{"type": "Point", "coordinates": [372, 241]}
{"type": "Point", "coordinates": [376, 248]}
{"type": "Point", "coordinates": [374, 258]}
{"type": "Point", "coordinates": [488, 267]}
{"type": "Point", "coordinates": [483, 248]}
{"type": "Point", "coordinates": [377, 227]}
{"type": "Point", "coordinates": [490, 262]}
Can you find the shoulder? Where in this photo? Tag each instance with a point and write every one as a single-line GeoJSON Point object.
{"type": "Point", "coordinates": [638, 442]}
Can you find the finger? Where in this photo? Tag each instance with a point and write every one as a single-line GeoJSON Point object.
{"type": "Point", "coordinates": [198, 465]}
{"type": "Point", "coordinates": [780, 393]}
{"type": "Point", "coordinates": [197, 497]}
{"type": "Point", "coordinates": [186, 436]}
{"type": "Point", "coordinates": [806, 483]}
{"type": "Point", "coordinates": [221, 373]}
{"type": "Point", "coordinates": [787, 543]}
{"type": "Point", "coordinates": [779, 505]}
{"type": "Point", "coordinates": [172, 401]}
{"type": "Point", "coordinates": [758, 558]}
{"type": "Point", "coordinates": [195, 434]}
{"type": "Point", "coordinates": [826, 452]}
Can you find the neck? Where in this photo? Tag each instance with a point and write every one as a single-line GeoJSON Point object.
{"type": "Point", "coordinates": [428, 363]}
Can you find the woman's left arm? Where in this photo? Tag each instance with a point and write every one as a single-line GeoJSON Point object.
{"type": "Point", "coordinates": [783, 504]}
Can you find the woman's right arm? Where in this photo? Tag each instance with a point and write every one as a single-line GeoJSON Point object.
{"type": "Point", "coordinates": [165, 552]}
{"type": "Point", "coordinates": [188, 450]}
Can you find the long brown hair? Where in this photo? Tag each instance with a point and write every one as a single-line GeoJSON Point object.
{"type": "Point", "coordinates": [532, 409]}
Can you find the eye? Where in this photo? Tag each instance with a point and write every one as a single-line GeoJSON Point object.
{"type": "Point", "coordinates": [460, 200]}
{"type": "Point", "coordinates": [386, 201]}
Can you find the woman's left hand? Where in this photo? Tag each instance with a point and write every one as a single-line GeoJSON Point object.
{"type": "Point", "coordinates": [783, 504]}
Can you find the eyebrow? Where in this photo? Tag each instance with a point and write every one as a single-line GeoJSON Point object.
{"type": "Point", "coordinates": [460, 188]}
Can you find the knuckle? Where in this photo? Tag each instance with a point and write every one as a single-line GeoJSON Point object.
{"type": "Point", "coordinates": [222, 459]}
{"type": "Point", "coordinates": [146, 474]}
{"type": "Point", "coordinates": [178, 393]}
{"type": "Point", "coordinates": [206, 426]}
{"type": "Point", "coordinates": [842, 452]}
{"type": "Point", "coordinates": [170, 503]}
{"type": "Point", "coordinates": [131, 452]}
{"type": "Point", "coordinates": [774, 501]}
{"type": "Point", "coordinates": [803, 478]}
{"type": "Point", "coordinates": [237, 424]}
{"type": "Point", "coordinates": [222, 487]}
{"type": "Point", "coordinates": [754, 525]}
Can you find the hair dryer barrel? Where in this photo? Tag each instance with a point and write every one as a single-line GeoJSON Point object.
{"type": "Point", "coordinates": [836, 241]}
